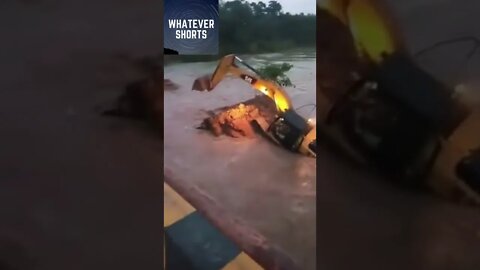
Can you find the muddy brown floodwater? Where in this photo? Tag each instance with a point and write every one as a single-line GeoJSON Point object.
{"type": "Point", "coordinates": [269, 188]}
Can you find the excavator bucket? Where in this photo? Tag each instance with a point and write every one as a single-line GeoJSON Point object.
{"type": "Point", "coordinates": [202, 83]}
{"type": "Point", "coordinates": [209, 82]}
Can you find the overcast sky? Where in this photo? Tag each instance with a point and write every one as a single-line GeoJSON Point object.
{"type": "Point", "coordinates": [295, 6]}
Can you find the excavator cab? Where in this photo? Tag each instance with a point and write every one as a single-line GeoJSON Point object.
{"type": "Point", "coordinates": [289, 130]}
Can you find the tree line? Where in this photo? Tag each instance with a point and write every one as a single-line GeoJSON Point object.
{"type": "Point", "coordinates": [260, 27]}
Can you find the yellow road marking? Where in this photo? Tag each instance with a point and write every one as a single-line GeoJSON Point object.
{"type": "Point", "coordinates": [242, 262]}
{"type": "Point", "coordinates": [174, 206]}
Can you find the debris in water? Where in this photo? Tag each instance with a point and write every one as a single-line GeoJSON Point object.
{"type": "Point", "coordinates": [237, 120]}
{"type": "Point", "coordinates": [169, 85]}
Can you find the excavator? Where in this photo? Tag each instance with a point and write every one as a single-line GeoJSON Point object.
{"type": "Point", "coordinates": [289, 128]}
{"type": "Point", "coordinates": [396, 118]}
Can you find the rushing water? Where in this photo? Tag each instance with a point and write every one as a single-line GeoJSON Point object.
{"type": "Point", "coordinates": [270, 188]}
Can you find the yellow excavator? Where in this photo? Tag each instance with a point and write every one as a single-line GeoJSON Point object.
{"type": "Point", "coordinates": [398, 117]}
{"type": "Point", "coordinates": [290, 130]}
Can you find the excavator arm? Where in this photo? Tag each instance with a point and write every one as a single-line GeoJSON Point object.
{"type": "Point", "coordinates": [289, 129]}
{"type": "Point", "coordinates": [228, 66]}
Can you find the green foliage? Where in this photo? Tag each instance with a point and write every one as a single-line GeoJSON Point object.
{"type": "Point", "coordinates": [276, 72]}
{"type": "Point", "coordinates": [260, 27]}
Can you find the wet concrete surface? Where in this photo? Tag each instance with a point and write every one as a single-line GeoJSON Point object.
{"type": "Point", "coordinates": [365, 222]}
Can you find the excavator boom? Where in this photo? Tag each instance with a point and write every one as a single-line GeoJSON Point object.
{"type": "Point", "coordinates": [228, 66]}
